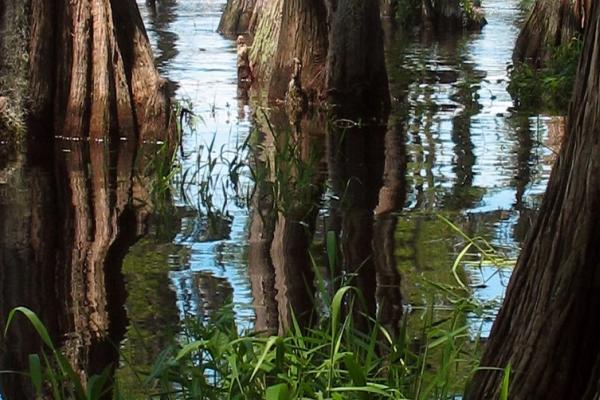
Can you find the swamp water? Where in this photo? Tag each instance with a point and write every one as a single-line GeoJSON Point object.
{"type": "Point", "coordinates": [369, 204]}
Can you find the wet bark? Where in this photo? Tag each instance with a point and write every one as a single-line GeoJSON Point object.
{"type": "Point", "coordinates": [303, 35]}
{"type": "Point", "coordinates": [289, 29]}
{"type": "Point", "coordinates": [550, 24]}
{"type": "Point", "coordinates": [91, 71]}
{"type": "Point", "coordinates": [547, 329]}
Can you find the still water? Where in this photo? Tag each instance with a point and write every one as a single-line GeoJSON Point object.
{"type": "Point", "coordinates": [81, 246]}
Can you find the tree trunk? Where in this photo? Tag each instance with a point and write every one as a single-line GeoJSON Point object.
{"type": "Point", "coordinates": [547, 329]}
{"type": "Point", "coordinates": [91, 71]}
{"type": "Point", "coordinates": [551, 23]}
{"type": "Point", "coordinates": [237, 17]}
{"type": "Point", "coordinates": [303, 35]}
{"type": "Point", "coordinates": [357, 81]}
{"type": "Point", "coordinates": [287, 29]}
{"type": "Point", "coordinates": [72, 219]}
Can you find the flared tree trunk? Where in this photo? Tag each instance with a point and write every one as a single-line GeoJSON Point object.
{"type": "Point", "coordinates": [551, 23]}
{"type": "Point", "coordinates": [91, 71]}
{"type": "Point", "coordinates": [289, 29]}
{"type": "Point", "coordinates": [237, 17]}
{"type": "Point", "coordinates": [547, 329]}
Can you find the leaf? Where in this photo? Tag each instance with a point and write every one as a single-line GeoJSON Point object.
{"type": "Point", "coordinates": [35, 322]}
{"type": "Point", "coordinates": [35, 372]}
{"type": "Point", "coordinates": [336, 308]}
{"type": "Point", "coordinates": [190, 347]}
{"type": "Point", "coordinates": [446, 337]}
{"type": "Point", "coordinates": [355, 371]}
{"type": "Point", "coordinates": [261, 360]}
{"type": "Point", "coordinates": [504, 389]}
{"type": "Point", "coordinates": [278, 392]}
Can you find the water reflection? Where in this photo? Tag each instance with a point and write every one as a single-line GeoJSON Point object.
{"type": "Point", "coordinates": [291, 179]}
{"type": "Point", "coordinates": [161, 16]}
{"type": "Point", "coordinates": [451, 147]}
{"type": "Point", "coordinates": [69, 219]}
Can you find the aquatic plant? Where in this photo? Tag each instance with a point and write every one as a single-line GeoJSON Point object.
{"type": "Point", "coordinates": [551, 86]}
{"type": "Point", "coordinates": [332, 359]}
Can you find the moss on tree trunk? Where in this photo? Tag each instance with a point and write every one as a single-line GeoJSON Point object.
{"type": "Point", "coordinates": [90, 70]}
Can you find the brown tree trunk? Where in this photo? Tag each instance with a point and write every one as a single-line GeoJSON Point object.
{"type": "Point", "coordinates": [237, 17]}
{"type": "Point", "coordinates": [289, 29]}
{"type": "Point", "coordinates": [551, 23]}
{"type": "Point", "coordinates": [547, 329]}
{"type": "Point", "coordinates": [63, 254]}
{"type": "Point", "coordinates": [303, 35]}
{"type": "Point", "coordinates": [91, 71]}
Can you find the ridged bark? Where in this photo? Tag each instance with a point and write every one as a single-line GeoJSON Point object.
{"type": "Point", "coordinates": [357, 80]}
{"type": "Point", "coordinates": [551, 23]}
{"type": "Point", "coordinates": [547, 329]}
{"type": "Point", "coordinates": [91, 71]}
{"type": "Point", "coordinates": [237, 17]}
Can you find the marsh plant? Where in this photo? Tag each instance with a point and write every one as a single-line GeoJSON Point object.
{"type": "Point", "coordinates": [551, 86]}
{"type": "Point", "coordinates": [331, 359]}
{"type": "Point", "coordinates": [204, 182]}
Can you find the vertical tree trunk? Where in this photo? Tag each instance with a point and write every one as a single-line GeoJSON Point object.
{"type": "Point", "coordinates": [289, 29]}
{"type": "Point", "coordinates": [237, 17]}
{"type": "Point", "coordinates": [547, 329]}
{"type": "Point", "coordinates": [91, 71]}
{"type": "Point", "coordinates": [303, 35]}
{"type": "Point", "coordinates": [551, 23]}
{"type": "Point", "coordinates": [356, 74]}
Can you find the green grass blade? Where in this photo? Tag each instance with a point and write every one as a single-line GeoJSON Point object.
{"type": "Point", "coordinates": [261, 360]}
{"type": "Point", "coordinates": [35, 322]}
{"type": "Point", "coordinates": [504, 389]}
{"type": "Point", "coordinates": [35, 373]}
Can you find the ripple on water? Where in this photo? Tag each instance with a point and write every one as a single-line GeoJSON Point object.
{"type": "Point", "coordinates": [468, 155]}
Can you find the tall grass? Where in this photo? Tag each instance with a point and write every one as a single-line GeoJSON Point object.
{"type": "Point", "coordinates": [331, 360]}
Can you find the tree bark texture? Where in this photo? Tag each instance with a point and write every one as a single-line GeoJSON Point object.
{"type": "Point", "coordinates": [551, 23]}
{"type": "Point", "coordinates": [288, 29]}
{"type": "Point", "coordinates": [70, 220]}
{"type": "Point", "coordinates": [237, 17]}
{"type": "Point", "coordinates": [357, 80]}
{"type": "Point", "coordinates": [91, 70]}
{"type": "Point", "coordinates": [547, 329]}
{"type": "Point", "coordinates": [339, 43]}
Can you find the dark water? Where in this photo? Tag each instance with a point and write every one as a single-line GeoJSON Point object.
{"type": "Point", "coordinates": [106, 263]}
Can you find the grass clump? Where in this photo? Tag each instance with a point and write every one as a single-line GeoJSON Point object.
{"type": "Point", "coordinates": [332, 360]}
{"type": "Point", "coordinates": [551, 86]}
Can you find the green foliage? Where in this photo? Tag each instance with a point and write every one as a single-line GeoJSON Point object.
{"type": "Point", "coordinates": [330, 361]}
{"type": "Point", "coordinates": [408, 12]}
{"type": "Point", "coordinates": [549, 87]}
{"type": "Point", "coordinates": [52, 370]}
